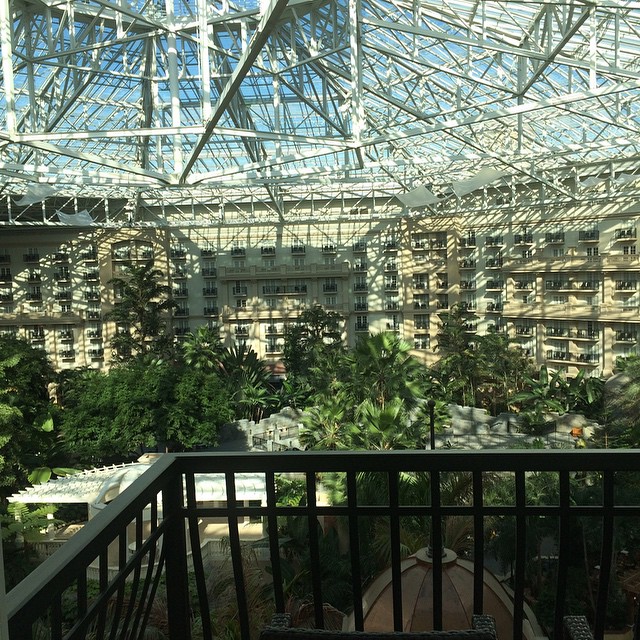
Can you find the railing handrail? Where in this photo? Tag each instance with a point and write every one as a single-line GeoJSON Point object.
{"type": "Point", "coordinates": [32, 595]}
{"type": "Point", "coordinates": [30, 598]}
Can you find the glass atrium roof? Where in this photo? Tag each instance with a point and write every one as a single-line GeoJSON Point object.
{"type": "Point", "coordinates": [414, 98]}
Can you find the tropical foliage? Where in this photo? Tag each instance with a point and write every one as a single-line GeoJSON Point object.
{"type": "Point", "coordinates": [141, 311]}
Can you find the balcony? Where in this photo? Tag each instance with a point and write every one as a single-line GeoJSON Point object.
{"type": "Point", "coordinates": [298, 249]}
{"type": "Point", "coordinates": [31, 257]}
{"type": "Point", "coordinates": [6, 278]}
{"type": "Point", "coordinates": [495, 284]}
{"type": "Point", "coordinates": [556, 285]}
{"type": "Point", "coordinates": [237, 252]}
{"type": "Point", "coordinates": [209, 273]}
{"type": "Point", "coordinates": [210, 291]}
{"type": "Point", "coordinates": [360, 266]}
{"type": "Point", "coordinates": [181, 312]}
{"type": "Point", "coordinates": [554, 238]}
{"type": "Point", "coordinates": [63, 295]}
{"type": "Point", "coordinates": [361, 306]}
{"type": "Point", "coordinates": [144, 560]}
{"type": "Point", "coordinates": [362, 326]}
{"type": "Point", "coordinates": [625, 234]}
{"type": "Point", "coordinates": [34, 297]}
{"type": "Point", "coordinates": [589, 236]}
{"type": "Point", "coordinates": [493, 263]}
{"type": "Point", "coordinates": [268, 251]}
{"type": "Point", "coordinates": [207, 253]}
{"type": "Point", "coordinates": [626, 285]}
{"type": "Point", "coordinates": [390, 245]}
{"type": "Point", "coordinates": [34, 277]}
{"type": "Point", "coordinates": [89, 255]}
{"type": "Point", "coordinates": [330, 287]}
{"type": "Point", "coordinates": [468, 242]}
{"type": "Point", "coordinates": [210, 311]}
{"type": "Point", "coordinates": [239, 291]}
{"type": "Point", "coordinates": [585, 334]}
{"type": "Point", "coordinates": [523, 238]}
{"type": "Point", "coordinates": [181, 292]}
{"type": "Point", "coordinates": [494, 241]}
{"type": "Point", "coordinates": [61, 257]}
{"type": "Point", "coordinates": [359, 247]}
{"type": "Point", "coordinates": [328, 248]}
{"type": "Point", "coordinates": [91, 276]}
{"type": "Point", "coordinates": [91, 295]}
{"type": "Point", "coordinates": [589, 358]}
{"type": "Point", "coordinates": [467, 284]}
{"type": "Point", "coordinates": [5, 258]}
{"type": "Point", "coordinates": [467, 264]}
{"type": "Point", "coordinates": [95, 353]}
{"type": "Point", "coordinates": [626, 336]}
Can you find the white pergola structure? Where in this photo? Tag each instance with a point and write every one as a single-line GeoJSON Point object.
{"type": "Point", "coordinates": [426, 102]}
{"type": "Point", "coordinates": [98, 487]}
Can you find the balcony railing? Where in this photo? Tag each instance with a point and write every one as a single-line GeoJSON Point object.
{"type": "Point", "coordinates": [151, 528]}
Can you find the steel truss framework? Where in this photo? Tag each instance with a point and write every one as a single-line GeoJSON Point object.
{"type": "Point", "coordinates": [194, 100]}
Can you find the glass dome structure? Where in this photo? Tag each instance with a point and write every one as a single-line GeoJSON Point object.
{"type": "Point", "coordinates": [282, 100]}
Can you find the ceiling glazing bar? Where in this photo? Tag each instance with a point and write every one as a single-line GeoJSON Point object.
{"type": "Point", "coordinates": [267, 23]}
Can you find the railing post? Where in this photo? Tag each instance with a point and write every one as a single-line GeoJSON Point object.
{"type": "Point", "coordinates": [175, 553]}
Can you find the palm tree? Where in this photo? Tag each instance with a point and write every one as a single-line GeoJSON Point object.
{"type": "Point", "coordinates": [383, 368]}
{"type": "Point", "coordinates": [139, 314]}
{"type": "Point", "coordinates": [248, 379]}
{"type": "Point", "coordinates": [327, 426]}
{"type": "Point", "coordinates": [203, 348]}
{"type": "Point", "coordinates": [385, 428]}
{"type": "Point", "coordinates": [541, 396]}
{"type": "Point", "coordinates": [458, 366]}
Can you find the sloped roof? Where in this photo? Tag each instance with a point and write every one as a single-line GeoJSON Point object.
{"type": "Point", "coordinates": [240, 101]}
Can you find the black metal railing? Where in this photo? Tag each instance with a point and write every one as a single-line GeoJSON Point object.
{"type": "Point", "coordinates": [139, 544]}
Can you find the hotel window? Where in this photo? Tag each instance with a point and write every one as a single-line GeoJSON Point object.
{"type": "Point", "coordinates": [629, 250]}
{"type": "Point", "coordinates": [592, 251]}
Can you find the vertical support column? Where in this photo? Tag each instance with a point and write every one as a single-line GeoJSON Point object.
{"type": "Point", "coordinates": [174, 89]}
{"type": "Point", "coordinates": [205, 65]}
{"type": "Point", "coordinates": [176, 559]}
{"type": "Point", "coordinates": [6, 45]}
{"type": "Point", "coordinates": [357, 105]}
